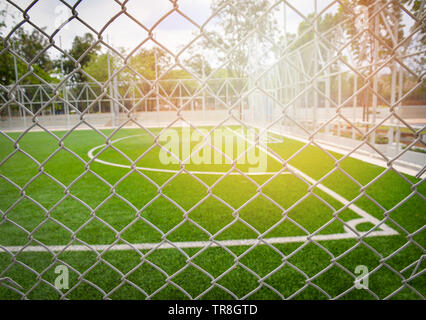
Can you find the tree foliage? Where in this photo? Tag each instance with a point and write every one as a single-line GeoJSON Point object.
{"type": "Point", "coordinates": [375, 13]}
{"type": "Point", "coordinates": [149, 63]}
{"type": "Point", "coordinates": [198, 64]}
{"type": "Point", "coordinates": [83, 50]}
{"type": "Point", "coordinates": [236, 21]}
{"type": "Point", "coordinates": [304, 41]}
{"type": "Point", "coordinates": [97, 67]}
{"type": "Point", "coordinates": [30, 48]}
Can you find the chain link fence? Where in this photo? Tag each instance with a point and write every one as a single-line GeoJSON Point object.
{"type": "Point", "coordinates": [336, 77]}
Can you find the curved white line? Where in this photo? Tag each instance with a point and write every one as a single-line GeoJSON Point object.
{"type": "Point", "coordinates": [92, 157]}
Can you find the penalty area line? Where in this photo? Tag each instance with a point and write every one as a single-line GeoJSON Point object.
{"type": "Point", "coordinates": [365, 216]}
{"type": "Point", "coordinates": [193, 244]}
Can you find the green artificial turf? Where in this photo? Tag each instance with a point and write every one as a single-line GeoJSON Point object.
{"type": "Point", "coordinates": [105, 203]}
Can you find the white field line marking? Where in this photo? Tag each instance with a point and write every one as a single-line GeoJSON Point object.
{"type": "Point", "coordinates": [366, 217]}
{"type": "Point", "coordinates": [91, 156]}
{"type": "Point", "coordinates": [401, 165]}
{"type": "Point", "coordinates": [348, 234]}
{"type": "Point", "coordinates": [186, 244]}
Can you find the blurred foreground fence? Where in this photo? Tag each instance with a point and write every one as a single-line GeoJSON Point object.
{"type": "Point", "coordinates": [342, 86]}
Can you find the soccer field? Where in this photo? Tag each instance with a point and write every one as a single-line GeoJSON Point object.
{"type": "Point", "coordinates": [130, 225]}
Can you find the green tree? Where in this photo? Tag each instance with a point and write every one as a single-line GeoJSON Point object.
{"type": "Point", "coordinates": [31, 44]}
{"type": "Point", "coordinates": [235, 22]}
{"type": "Point", "coordinates": [199, 65]}
{"type": "Point", "coordinates": [28, 45]}
{"type": "Point", "coordinates": [363, 48]}
{"type": "Point", "coordinates": [79, 54]}
{"type": "Point", "coordinates": [6, 60]}
{"type": "Point", "coordinates": [97, 66]}
{"type": "Point", "coordinates": [305, 37]}
{"type": "Point", "coordinates": [149, 63]}
{"type": "Point", "coordinates": [418, 42]}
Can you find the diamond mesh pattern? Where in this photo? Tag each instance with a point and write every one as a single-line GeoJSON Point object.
{"type": "Point", "coordinates": [118, 104]}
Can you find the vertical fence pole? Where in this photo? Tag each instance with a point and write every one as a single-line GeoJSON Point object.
{"type": "Point", "coordinates": [375, 78]}
{"type": "Point", "coordinates": [327, 92]}
{"type": "Point", "coordinates": [354, 107]}
{"type": "Point", "coordinates": [339, 100]}
{"type": "Point", "coordinates": [16, 81]}
{"type": "Point", "coordinates": [392, 102]}
{"type": "Point", "coordinates": [64, 91]}
{"type": "Point", "coordinates": [66, 106]}
{"type": "Point", "coordinates": [111, 106]}
{"type": "Point", "coordinates": [24, 113]}
{"type": "Point", "coordinates": [395, 73]}
{"type": "Point", "coordinates": [157, 102]}
{"type": "Point", "coordinates": [41, 101]}
{"type": "Point", "coordinates": [87, 99]}
{"type": "Point", "coordinates": [115, 105]}
{"type": "Point", "coordinates": [315, 84]}
{"type": "Point", "coordinates": [398, 131]}
{"type": "Point", "coordinates": [204, 90]}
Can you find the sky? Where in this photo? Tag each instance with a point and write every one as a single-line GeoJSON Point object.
{"type": "Point", "coordinates": [174, 31]}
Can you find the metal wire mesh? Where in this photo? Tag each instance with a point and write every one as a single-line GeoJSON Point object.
{"type": "Point", "coordinates": [293, 91]}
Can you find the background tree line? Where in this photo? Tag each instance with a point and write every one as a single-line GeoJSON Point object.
{"type": "Point", "coordinates": [228, 42]}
